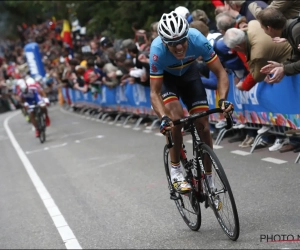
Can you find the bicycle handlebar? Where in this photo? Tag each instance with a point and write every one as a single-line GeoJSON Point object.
{"type": "Point", "coordinates": [195, 116]}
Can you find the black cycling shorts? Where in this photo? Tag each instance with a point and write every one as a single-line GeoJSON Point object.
{"type": "Point", "coordinates": [188, 87]}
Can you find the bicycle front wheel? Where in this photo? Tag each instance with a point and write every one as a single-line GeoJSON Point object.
{"type": "Point", "coordinates": [42, 127]}
{"type": "Point", "coordinates": [187, 204]}
{"type": "Point", "coordinates": [220, 196]}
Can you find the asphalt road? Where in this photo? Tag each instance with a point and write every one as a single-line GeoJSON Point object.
{"type": "Point", "coordinates": [108, 186]}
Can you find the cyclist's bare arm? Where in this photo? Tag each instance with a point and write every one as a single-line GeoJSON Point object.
{"type": "Point", "coordinates": [156, 99]}
{"type": "Point", "coordinates": [223, 82]}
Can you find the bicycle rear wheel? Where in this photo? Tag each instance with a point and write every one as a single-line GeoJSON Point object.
{"type": "Point", "coordinates": [187, 204]}
{"type": "Point", "coordinates": [221, 198]}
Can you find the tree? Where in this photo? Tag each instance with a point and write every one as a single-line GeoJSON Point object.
{"type": "Point", "coordinates": [113, 17]}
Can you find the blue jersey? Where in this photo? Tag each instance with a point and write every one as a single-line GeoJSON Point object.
{"type": "Point", "coordinates": [161, 59]}
{"type": "Point", "coordinates": [32, 96]}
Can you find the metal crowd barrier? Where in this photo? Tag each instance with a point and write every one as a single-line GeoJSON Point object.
{"type": "Point", "coordinates": [256, 108]}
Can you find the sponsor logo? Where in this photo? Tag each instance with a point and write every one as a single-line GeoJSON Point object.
{"type": "Point", "coordinates": [168, 94]}
{"type": "Point", "coordinates": [245, 97]}
{"type": "Point", "coordinates": [199, 103]}
{"type": "Point", "coordinates": [155, 57]}
{"type": "Point", "coordinates": [139, 94]}
{"type": "Point", "coordinates": [32, 63]}
{"type": "Point", "coordinates": [103, 95]}
{"type": "Point", "coordinates": [208, 46]}
{"type": "Point", "coordinates": [153, 68]}
{"type": "Point", "coordinates": [120, 95]}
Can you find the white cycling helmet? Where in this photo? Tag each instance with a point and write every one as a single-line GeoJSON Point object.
{"type": "Point", "coordinates": [182, 11]}
{"type": "Point", "coordinates": [30, 80]}
{"type": "Point", "coordinates": [22, 85]}
{"type": "Point", "coordinates": [172, 26]}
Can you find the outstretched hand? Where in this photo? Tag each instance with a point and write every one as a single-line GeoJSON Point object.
{"type": "Point", "coordinates": [269, 67]}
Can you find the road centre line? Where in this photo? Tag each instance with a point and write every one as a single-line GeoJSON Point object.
{"type": "Point", "coordinates": [60, 223]}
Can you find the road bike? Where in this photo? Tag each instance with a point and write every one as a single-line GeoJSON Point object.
{"type": "Point", "coordinates": [219, 198]}
{"type": "Point", "coordinates": [40, 121]}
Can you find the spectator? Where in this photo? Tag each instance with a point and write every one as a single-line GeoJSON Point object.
{"type": "Point", "coordinates": [124, 46]}
{"type": "Point", "coordinates": [184, 12]}
{"type": "Point", "coordinates": [241, 7]}
{"type": "Point", "coordinates": [144, 66]}
{"type": "Point", "coordinates": [78, 79]}
{"type": "Point", "coordinates": [200, 15]}
{"type": "Point", "coordinates": [110, 69]}
{"type": "Point", "coordinates": [275, 25]}
{"type": "Point", "coordinates": [230, 59]}
{"type": "Point", "coordinates": [153, 29]}
{"type": "Point", "coordinates": [289, 9]}
{"type": "Point", "coordinates": [95, 50]}
{"type": "Point", "coordinates": [257, 46]}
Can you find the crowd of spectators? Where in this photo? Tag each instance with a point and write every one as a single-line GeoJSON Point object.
{"type": "Point", "coordinates": [98, 60]}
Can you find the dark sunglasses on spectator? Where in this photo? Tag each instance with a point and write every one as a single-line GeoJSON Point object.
{"type": "Point", "coordinates": [175, 43]}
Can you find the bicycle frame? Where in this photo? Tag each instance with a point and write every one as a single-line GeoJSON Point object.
{"type": "Point", "coordinates": [191, 118]}
{"type": "Point", "coordinates": [192, 164]}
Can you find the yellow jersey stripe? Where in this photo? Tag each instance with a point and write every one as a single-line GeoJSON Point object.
{"type": "Point", "coordinates": [156, 76]}
{"type": "Point", "coordinates": [182, 66]}
{"type": "Point", "coordinates": [212, 60]}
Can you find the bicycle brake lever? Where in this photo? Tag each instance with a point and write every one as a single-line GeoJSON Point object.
{"type": "Point", "coordinates": [170, 139]}
{"type": "Point", "coordinates": [229, 122]}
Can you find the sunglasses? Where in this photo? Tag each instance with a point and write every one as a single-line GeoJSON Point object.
{"type": "Point", "coordinates": [178, 42]}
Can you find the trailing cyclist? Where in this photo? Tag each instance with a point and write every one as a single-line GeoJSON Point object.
{"type": "Point", "coordinates": [174, 75]}
{"type": "Point", "coordinates": [30, 96]}
{"type": "Point", "coordinates": [33, 84]}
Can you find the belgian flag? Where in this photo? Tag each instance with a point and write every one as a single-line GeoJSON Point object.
{"type": "Point", "coordinates": [66, 34]}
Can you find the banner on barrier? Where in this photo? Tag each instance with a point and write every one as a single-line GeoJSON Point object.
{"type": "Point", "coordinates": [273, 104]}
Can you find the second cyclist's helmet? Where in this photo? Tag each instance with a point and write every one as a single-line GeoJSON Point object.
{"type": "Point", "coordinates": [172, 26]}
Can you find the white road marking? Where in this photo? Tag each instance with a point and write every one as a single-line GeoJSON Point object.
{"type": "Point", "coordinates": [89, 138]}
{"type": "Point", "coordinates": [46, 148]}
{"type": "Point", "coordinates": [59, 145]}
{"type": "Point", "coordinates": [65, 231]}
{"type": "Point", "coordinates": [159, 134]}
{"type": "Point", "coordinates": [147, 131]}
{"type": "Point", "coordinates": [273, 160]}
{"type": "Point", "coordinates": [67, 135]}
{"type": "Point", "coordinates": [240, 152]}
{"type": "Point", "coordinates": [189, 141]}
